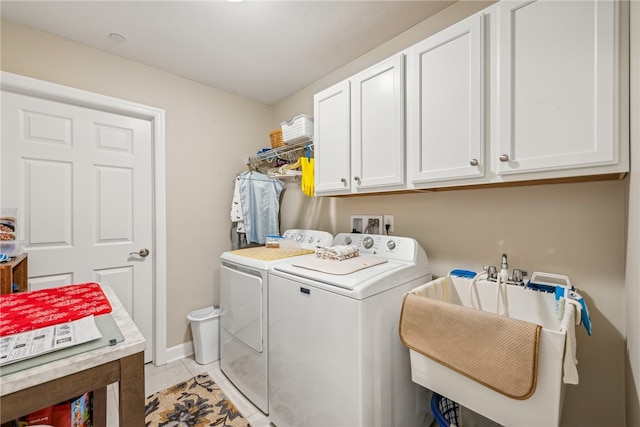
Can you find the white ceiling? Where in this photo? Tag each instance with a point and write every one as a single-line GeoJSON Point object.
{"type": "Point", "coordinates": [262, 50]}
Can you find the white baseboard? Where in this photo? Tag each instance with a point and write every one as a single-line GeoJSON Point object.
{"type": "Point", "coordinates": [180, 351]}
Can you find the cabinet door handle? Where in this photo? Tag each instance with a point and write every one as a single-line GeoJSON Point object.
{"type": "Point", "coordinates": [343, 180]}
{"type": "Point", "coordinates": [504, 158]}
{"type": "Point", "coordinates": [357, 179]}
{"type": "Point", "coordinates": [473, 162]}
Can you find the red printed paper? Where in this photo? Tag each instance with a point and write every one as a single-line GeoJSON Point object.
{"type": "Point", "coordinates": [25, 311]}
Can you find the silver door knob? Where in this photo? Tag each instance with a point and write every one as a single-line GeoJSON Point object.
{"type": "Point", "coordinates": [143, 252]}
{"type": "Point", "coordinates": [343, 180]}
{"type": "Point", "coordinates": [357, 179]}
{"type": "Point", "coordinates": [504, 158]}
{"type": "Point", "coordinates": [473, 162]}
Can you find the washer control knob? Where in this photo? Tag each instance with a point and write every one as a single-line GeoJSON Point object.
{"type": "Point", "coordinates": [391, 245]}
{"type": "Point", "coordinates": [310, 239]}
{"type": "Point", "coordinates": [299, 238]}
{"type": "Point", "coordinates": [367, 242]}
{"type": "Point", "coordinates": [348, 240]}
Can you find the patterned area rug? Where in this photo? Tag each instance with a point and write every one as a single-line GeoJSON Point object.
{"type": "Point", "coordinates": [198, 402]}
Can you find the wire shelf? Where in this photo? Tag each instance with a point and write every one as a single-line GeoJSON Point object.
{"type": "Point", "coordinates": [286, 152]}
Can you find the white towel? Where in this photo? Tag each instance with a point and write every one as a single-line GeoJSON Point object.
{"type": "Point", "coordinates": [572, 316]}
{"type": "Point", "coordinates": [436, 289]}
{"type": "Point", "coordinates": [338, 252]}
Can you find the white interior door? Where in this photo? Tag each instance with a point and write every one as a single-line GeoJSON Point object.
{"type": "Point", "coordinates": [83, 185]}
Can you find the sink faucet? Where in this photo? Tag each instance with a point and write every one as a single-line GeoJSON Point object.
{"type": "Point", "coordinates": [492, 272]}
{"type": "Point", "coordinates": [516, 278]}
{"type": "Point", "coordinates": [504, 269]}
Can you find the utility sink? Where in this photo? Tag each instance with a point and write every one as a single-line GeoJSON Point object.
{"type": "Point", "coordinates": [544, 406]}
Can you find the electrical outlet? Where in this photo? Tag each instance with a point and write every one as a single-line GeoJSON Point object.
{"type": "Point", "coordinates": [388, 220]}
{"type": "Point", "coordinates": [366, 224]}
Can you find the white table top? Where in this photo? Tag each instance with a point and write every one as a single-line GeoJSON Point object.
{"type": "Point", "coordinates": [133, 343]}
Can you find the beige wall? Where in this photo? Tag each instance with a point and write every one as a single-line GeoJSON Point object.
{"type": "Point", "coordinates": [207, 134]}
{"type": "Point", "coordinates": [573, 229]}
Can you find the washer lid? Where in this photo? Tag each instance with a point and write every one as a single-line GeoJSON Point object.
{"type": "Point", "coordinates": [347, 266]}
{"type": "Point", "coordinates": [372, 274]}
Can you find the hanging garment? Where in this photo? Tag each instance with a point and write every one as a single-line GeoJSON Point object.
{"type": "Point", "coordinates": [236, 207]}
{"type": "Point", "coordinates": [260, 200]}
{"type": "Point", "coordinates": [307, 184]}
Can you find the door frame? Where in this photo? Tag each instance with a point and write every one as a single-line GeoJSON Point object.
{"type": "Point", "coordinates": [29, 86]}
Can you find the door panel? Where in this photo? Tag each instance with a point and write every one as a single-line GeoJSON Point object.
{"type": "Point", "coordinates": [47, 197]}
{"type": "Point", "coordinates": [444, 118]}
{"type": "Point", "coordinates": [377, 133]}
{"type": "Point", "coordinates": [114, 219]}
{"type": "Point", "coordinates": [52, 281]}
{"type": "Point", "coordinates": [242, 314]}
{"type": "Point", "coordinates": [557, 88]}
{"type": "Point", "coordinates": [332, 133]}
{"type": "Point", "coordinates": [120, 279]}
{"type": "Point", "coordinates": [82, 182]}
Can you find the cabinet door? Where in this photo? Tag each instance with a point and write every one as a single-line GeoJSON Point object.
{"type": "Point", "coordinates": [377, 133]}
{"type": "Point", "coordinates": [444, 104]}
{"type": "Point", "coordinates": [332, 140]}
{"type": "Point", "coordinates": [557, 93]}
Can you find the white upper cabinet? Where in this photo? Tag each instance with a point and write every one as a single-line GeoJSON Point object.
{"type": "Point", "coordinates": [557, 102]}
{"type": "Point", "coordinates": [445, 105]}
{"type": "Point", "coordinates": [521, 91]}
{"type": "Point", "coordinates": [332, 140]}
{"type": "Point", "coordinates": [359, 132]}
{"type": "Point", "coordinates": [377, 131]}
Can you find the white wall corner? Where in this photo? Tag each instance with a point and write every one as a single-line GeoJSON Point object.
{"type": "Point", "coordinates": [632, 274]}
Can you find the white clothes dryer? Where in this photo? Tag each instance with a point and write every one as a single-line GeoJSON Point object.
{"type": "Point", "coordinates": [335, 356]}
{"type": "Point", "coordinates": [244, 333]}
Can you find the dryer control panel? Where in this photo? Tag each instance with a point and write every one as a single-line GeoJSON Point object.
{"type": "Point", "coordinates": [390, 247]}
{"type": "Point", "coordinates": [309, 239]}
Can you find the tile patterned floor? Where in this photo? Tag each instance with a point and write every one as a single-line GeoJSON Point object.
{"type": "Point", "coordinates": [160, 377]}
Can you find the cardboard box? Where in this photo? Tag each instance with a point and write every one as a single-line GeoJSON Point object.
{"type": "Point", "coordinates": [41, 417]}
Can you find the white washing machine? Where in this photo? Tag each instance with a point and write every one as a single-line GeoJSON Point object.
{"type": "Point", "coordinates": [244, 334]}
{"type": "Point", "coordinates": [335, 356]}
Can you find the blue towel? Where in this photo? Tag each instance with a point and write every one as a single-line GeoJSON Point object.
{"type": "Point", "coordinates": [541, 287]}
{"type": "Point", "coordinates": [463, 273]}
{"type": "Point", "coordinates": [586, 318]}
{"type": "Point", "coordinates": [260, 199]}
{"type": "Point", "coordinates": [565, 292]}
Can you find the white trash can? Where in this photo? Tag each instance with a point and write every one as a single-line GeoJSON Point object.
{"type": "Point", "coordinates": [205, 328]}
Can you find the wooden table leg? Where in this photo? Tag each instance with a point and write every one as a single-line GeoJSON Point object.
{"type": "Point", "coordinates": [100, 407]}
{"type": "Point", "coordinates": [132, 398]}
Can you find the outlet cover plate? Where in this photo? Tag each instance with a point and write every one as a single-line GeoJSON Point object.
{"type": "Point", "coordinates": [360, 224]}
